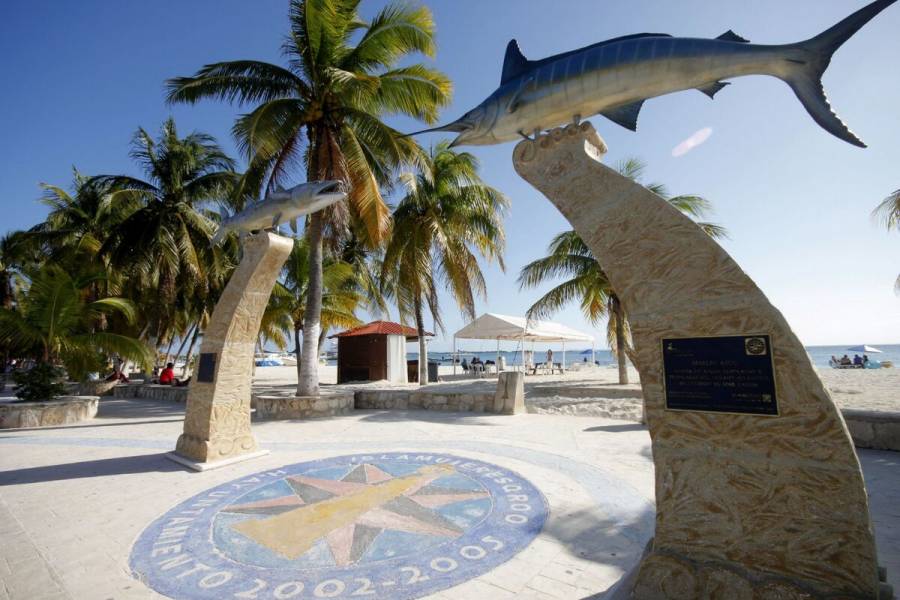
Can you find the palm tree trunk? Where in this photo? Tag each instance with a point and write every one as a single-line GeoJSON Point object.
{"type": "Point", "coordinates": [297, 351]}
{"type": "Point", "coordinates": [620, 339]}
{"type": "Point", "coordinates": [423, 350]}
{"type": "Point", "coordinates": [308, 383]}
{"type": "Point", "coordinates": [169, 348]}
{"type": "Point", "coordinates": [190, 352]}
{"type": "Point", "coordinates": [184, 341]}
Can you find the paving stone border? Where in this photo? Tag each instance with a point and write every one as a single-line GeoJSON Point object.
{"type": "Point", "coordinates": [303, 407]}
{"type": "Point", "coordinates": [64, 410]}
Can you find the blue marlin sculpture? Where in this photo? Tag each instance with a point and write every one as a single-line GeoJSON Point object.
{"type": "Point", "coordinates": [615, 77]}
{"type": "Point", "coordinates": [282, 206]}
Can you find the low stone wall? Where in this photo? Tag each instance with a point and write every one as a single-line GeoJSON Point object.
{"type": "Point", "coordinates": [63, 411]}
{"type": "Point", "coordinates": [873, 429]}
{"type": "Point", "coordinates": [405, 400]}
{"type": "Point", "coordinates": [166, 393]}
{"type": "Point", "coordinates": [303, 407]}
{"type": "Point", "coordinates": [96, 388]}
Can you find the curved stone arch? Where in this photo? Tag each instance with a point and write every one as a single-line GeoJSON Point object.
{"type": "Point", "coordinates": [753, 503]}
{"type": "Point", "coordinates": [217, 415]}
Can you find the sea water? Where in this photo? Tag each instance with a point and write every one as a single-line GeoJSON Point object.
{"type": "Point", "coordinates": [819, 355]}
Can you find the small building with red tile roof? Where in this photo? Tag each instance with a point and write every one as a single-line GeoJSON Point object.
{"type": "Point", "coordinates": [375, 351]}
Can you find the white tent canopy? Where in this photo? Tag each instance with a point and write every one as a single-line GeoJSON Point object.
{"type": "Point", "coordinates": [490, 326]}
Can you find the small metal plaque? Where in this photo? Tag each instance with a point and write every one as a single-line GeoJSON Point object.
{"type": "Point", "coordinates": [731, 374]}
{"type": "Point", "coordinates": [206, 368]}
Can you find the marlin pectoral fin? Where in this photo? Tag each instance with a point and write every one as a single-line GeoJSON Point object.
{"type": "Point", "coordinates": [730, 36]}
{"type": "Point", "coordinates": [276, 220]}
{"type": "Point", "coordinates": [714, 88]}
{"type": "Point", "coordinates": [626, 116]}
{"type": "Point", "coordinates": [294, 225]}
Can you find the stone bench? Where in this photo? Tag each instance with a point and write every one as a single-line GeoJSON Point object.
{"type": "Point", "coordinates": [166, 393]}
{"type": "Point", "coordinates": [65, 410]}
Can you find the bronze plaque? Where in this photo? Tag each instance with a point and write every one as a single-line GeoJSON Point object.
{"type": "Point", "coordinates": [729, 374]}
{"type": "Point", "coordinates": [206, 368]}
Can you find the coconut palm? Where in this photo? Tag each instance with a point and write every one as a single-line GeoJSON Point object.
{"type": "Point", "coordinates": [53, 323]}
{"type": "Point", "coordinates": [448, 219]}
{"type": "Point", "coordinates": [164, 244]}
{"type": "Point", "coordinates": [569, 257]}
{"type": "Point", "coordinates": [11, 263]}
{"type": "Point", "coordinates": [340, 298]}
{"type": "Point", "coordinates": [323, 112]}
{"type": "Point", "coordinates": [78, 222]}
{"type": "Point", "coordinates": [888, 213]}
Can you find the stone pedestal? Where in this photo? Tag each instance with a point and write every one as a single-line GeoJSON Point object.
{"type": "Point", "coordinates": [217, 417]}
{"type": "Point", "coordinates": [509, 399]}
{"type": "Point", "coordinates": [748, 506]}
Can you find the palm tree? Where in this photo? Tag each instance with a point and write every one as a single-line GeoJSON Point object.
{"type": "Point", "coordinates": [888, 213]}
{"type": "Point", "coordinates": [340, 298]}
{"type": "Point", "coordinates": [54, 323]}
{"type": "Point", "coordinates": [11, 264]}
{"type": "Point", "coordinates": [164, 244]}
{"type": "Point", "coordinates": [447, 219]}
{"type": "Point", "coordinates": [78, 222]}
{"type": "Point", "coordinates": [323, 111]}
{"type": "Point", "coordinates": [570, 257]}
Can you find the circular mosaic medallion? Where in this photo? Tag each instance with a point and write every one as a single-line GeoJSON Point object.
{"type": "Point", "coordinates": [383, 525]}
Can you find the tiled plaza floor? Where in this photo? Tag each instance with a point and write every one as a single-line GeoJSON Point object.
{"type": "Point", "coordinates": [75, 500]}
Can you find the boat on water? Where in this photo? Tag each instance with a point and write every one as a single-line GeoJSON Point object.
{"type": "Point", "coordinates": [268, 359]}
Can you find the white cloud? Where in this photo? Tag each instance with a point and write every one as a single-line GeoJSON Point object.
{"type": "Point", "coordinates": [692, 142]}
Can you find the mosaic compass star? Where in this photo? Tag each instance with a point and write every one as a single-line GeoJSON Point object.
{"type": "Point", "coordinates": [349, 513]}
{"type": "Point", "coordinates": [393, 525]}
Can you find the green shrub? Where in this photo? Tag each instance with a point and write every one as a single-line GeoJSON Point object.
{"type": "Point", "coordinates": [41, 382]}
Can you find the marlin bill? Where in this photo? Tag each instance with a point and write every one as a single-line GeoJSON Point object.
{"type": "Point", "coordinates": [282, 206]}
{"type": "Point", "coordinates": [615, 77]}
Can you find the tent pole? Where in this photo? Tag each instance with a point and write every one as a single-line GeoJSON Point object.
{"type": "Point", "coordinates": [593, 360]}
{"type": "Point", "coordinates": [453, 355]}
{"type": "Point", "coordinates": [563, 366]}
{"type": "Point", "coordinates": [497, 361]}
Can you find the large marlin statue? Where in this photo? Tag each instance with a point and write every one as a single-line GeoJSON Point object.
{"type": "Point", "coordinates": [615, 77]}
{"type": "Point", "coordinates": [282, 206]}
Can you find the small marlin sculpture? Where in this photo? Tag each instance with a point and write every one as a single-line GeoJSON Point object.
{"type": "Point", "coordinates": [281, 206]}
{"type": "Point", "coordinates": [615, 77]}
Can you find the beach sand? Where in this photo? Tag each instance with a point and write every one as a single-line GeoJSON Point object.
{"type": "Point", "coordinates": [595, 392]}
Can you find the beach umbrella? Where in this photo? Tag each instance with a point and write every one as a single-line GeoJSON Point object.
{"type": "Point", "coordinates": [588, 351]}
{"type": "Point", "coordinates": [865, 349]}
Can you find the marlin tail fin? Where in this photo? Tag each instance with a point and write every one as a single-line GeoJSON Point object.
{"type": "Point", "coordinates": [812, 60]}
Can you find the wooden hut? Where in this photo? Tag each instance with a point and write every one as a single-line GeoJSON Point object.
{"type": "Point", "coordinates": [374, 351]}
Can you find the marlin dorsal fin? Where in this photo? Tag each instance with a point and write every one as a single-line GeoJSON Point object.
{"type": "Point", "coordinates": [730, 36]}
{"type": "Point", "coordinates": [514, 64]}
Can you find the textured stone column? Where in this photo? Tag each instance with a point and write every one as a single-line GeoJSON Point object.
{"type": "Point", "coordinates": [748, 506]}
{"type": "Point", "coordinates": [217, 417]}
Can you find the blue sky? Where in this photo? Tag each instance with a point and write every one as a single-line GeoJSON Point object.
{"type": "Point", "coordinates": [81, 77]}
